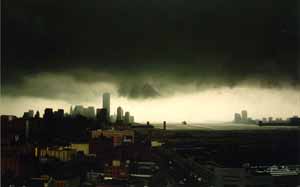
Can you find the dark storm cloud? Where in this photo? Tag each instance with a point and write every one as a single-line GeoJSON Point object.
{"type": "Point", "coordinates": [138, 91]}
{"type": "Point", "coordinates": [146, 47]}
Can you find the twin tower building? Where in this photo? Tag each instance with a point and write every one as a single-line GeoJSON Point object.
{"type": "Point", "coordinates": [104, 112]}
{"type": "Point", "coordinates": [120, 117]}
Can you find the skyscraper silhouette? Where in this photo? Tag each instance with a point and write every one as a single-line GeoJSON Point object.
{"type": "Point", "coordinates": [106, 103]}
{"type": "Point", "coordinates": [119, 114]}
{"type": "Point", "coordinates": [244, 115]}
{"type": "Point", "coordinates": [127, 117]}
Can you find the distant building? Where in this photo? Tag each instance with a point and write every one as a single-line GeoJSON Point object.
{"type": "Point", "coordinates": [25, 115]}
{"type": "Point", "coordinates": [28, 114]}
{"type": "Point", "coordinates": [119, 114]}
{"type": "Point", "coordinates": [31, 113]}
{"type": "Point", "coordinates": [88, 112]}
{"type": "Point", "coordinates": [77, 110]}
{"type": "Point", "coordinates": [17, 159]}
{"type": "Point", "coordinates": [103, 115]}
{"type": "Point", "coordinates": [270, 119]}
{"type": "Point", "coordinates": [294, 120]}
{"type": "Point", "coordinates": [59, 113]}
{"type": "Point", "coordinates": [48, 114]}
{"type": "Point", "coordinates": [244, 115]}
{"type": "Point", "coordinates": [127, 117]}
{"type": "Point", "coordinates": [264, 120]}
{"type": "Point", "coordinates": [98, 110]}
{"type": "Point", "coordinates": [63, 154]}
{"type": "Point", "coordinates": [117, 170]}
{"type": "Point", "coordinates": [237, 117]}
{"type": "Point", "coordinates": [113, 118]}
{"type": "Point", "coordinates": [131, 119]}
{"type": "Point", "coordinates": [102, 147]}
{"type": "Point", "coordinates": [84, 147]}
{"type": "Point", "coordinates": [106, 103]}
{"type": "Point", "coordinates": [37, 114]}
{"type": "Point", "coordinates": [119, 137]}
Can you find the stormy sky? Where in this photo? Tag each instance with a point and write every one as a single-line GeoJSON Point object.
{"type": "Point", "coordinates": [71, 51]}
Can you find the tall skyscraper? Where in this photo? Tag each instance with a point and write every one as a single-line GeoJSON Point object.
{"type": "Point", "coordinates": [244, 115]}
{"type": "Point", "coordinates": [127, 117]}
{"type": "Point", "coordinates": [119, 113]}
{"type": "Point", "coordinates": [106, 103]}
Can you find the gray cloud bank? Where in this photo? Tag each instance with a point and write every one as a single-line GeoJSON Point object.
{"type": "Point", "coordinates": [87, 85]}
{"type": "Point", "coordinates": [72, 50]}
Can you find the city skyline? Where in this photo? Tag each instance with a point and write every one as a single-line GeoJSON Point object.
{"type": "Point", "coordinates": [161, 54]}
{"type": "Point", "coordinates": [216, 116]}
{"type": "Point", "coordinates": [150, 93]}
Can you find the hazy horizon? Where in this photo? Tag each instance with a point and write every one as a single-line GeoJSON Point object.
{"type": "Point", "coordinates": [194, 106]}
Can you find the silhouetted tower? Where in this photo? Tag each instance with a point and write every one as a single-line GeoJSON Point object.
{"type": "Point", "coordinates": [60, 113]}
{"type": "Point", "coordinates": [48, 114]}
{"type": "Point", "coordinates": [106, 103]}
{"type": "Point", "coordinates": [244, 115]}
{"type": "Point", "coordinates": [119, 113]}
{"type": "Point", "coordinates": [37, 114]}
{"type": "Point", "coordinates": [127, 117]}
{"type": "Point", "coordinates": [26, 115]}
{"type": "Point", "coordinates": [165, 125]}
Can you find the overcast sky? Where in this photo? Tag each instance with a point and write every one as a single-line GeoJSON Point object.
{"type": "Point", "coordinates": [140, 50]}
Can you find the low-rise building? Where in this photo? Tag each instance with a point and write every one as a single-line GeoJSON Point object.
{"type": "Point", "coordinates": [116, 170]}
{"type": "Point", "coordinates": [119, 137]}
{"type": "Point", "coordinates": [63, 154]}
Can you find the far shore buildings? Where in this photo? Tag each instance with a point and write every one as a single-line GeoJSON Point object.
{"type": "Point", "coordinates": [88, 112]}
{"type": "Point", "coordinates": [270, 121]}
{"type": "Point", "coordinates": [242, 117]}
{"type": "Point", "coordinates": [103, 113]}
